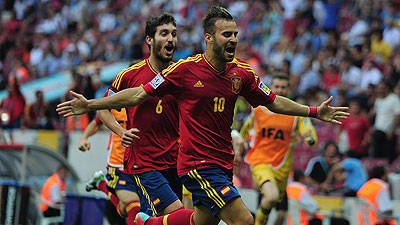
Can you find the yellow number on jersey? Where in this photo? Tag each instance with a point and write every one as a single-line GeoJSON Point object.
{"type": "Point", "coordinates": [159, 107]}
{"type": "Point", "coordinates": [219, 104]}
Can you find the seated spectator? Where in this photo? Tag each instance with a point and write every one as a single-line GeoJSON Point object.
{"type": "Point", "coordinates": [376, 193]}
{"type": "Point", "coordinates": [36, 113]}
{"type": "Point", "coordinates": [318, 167]}
{"type": "Point", "coordinates": [53, 192]}
{"type": "Point", "coordinates": [357, 128]}
{"type": "Point", "coordinates": [353, 174]}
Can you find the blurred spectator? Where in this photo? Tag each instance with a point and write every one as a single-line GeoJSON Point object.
{"type": "Point", "coordinates": [318, 167]}
{"type": "Point", "coordinates": [379, 47]}
{"type": "Point", "coordinates": [308, 78]}
{"type": "Point", "coordinates": [331, 77]}
{"type": "Point", "coordinates": [332, 8]}
{"type": "Point", "coordinates": [12, 107]}
{"type": "Point", "coordinates": [357, 128]}
{"type": "Point", "coordinates": [53, 192]}
{"type": "Point", "coordinates": [376, 193]}
{"type": "Point", "coordinates": [369, 74]}
{"type": "Point", "coordinates": [353, 174]}
{"type": "Point", "coordinates": [387, 118]}
{"type": "Point", "coordinates": [350, 76]}
{"type": "Point", "coordinates": [298, 191]}
{"type": "Point", "coordinates": [391, 35]}
{"type": "Point", "coordinates": [359, 28]}
{"type": "Point", "coordinates": [36, 117]}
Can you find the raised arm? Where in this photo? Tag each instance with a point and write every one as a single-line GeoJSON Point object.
{"type": "Point", "coordinates": [126, 98]}
{"type": "Point", "coordinates": [323, 112]}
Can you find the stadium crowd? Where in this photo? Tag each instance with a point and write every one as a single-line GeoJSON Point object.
{"type": "Point", "coordinates": [347, 49]}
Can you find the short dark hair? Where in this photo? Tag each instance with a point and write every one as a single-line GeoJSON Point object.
{"type": "Point", "coordinates": [154, 21]}
{"type": "Point", "coordinates": [214, 13]}
{"type": "Point", "coordinates": [328, 143]}
{"type": "Point", "coordinates": [280, 76]}
{"type": "Point", "coordinates": [297, 175]}
{"type": "Point", "coordinates": [353, 154]}
{"type": "Point", "coordinates": [377, 172]}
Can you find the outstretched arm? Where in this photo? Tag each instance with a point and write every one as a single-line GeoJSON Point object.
{"type": "Point", "coordinates": [324, 112]}
{"type": "Point", "coordinates": [127, 136]}
{"type": "Point", "coordinates": [126, 98]}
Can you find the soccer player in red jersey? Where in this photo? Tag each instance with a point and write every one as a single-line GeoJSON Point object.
{"type": "Point", "coordinates": [206, 87]}
{"type": "Point", "coordinates": [151, 159]}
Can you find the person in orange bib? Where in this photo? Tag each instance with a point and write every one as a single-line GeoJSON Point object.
{"type": "Point", "coordinates": [272, 154]}
{"type": "Point", "coordinates": [376, 193]}
{"type": "Point", "coordinates": [297, 191]}
{"type": "Point", "coordinates": [53, 192]}
{"type": "Point", "coordinates": [120, 188]}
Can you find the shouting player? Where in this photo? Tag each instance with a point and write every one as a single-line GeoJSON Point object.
{"type": "Point", "coordinates": [151, 158]}
{"type": "Point", "coordinates": [206, 87]}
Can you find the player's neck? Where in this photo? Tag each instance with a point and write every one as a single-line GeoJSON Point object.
{"type": "Point", "coordinates": [157, 65]}
{"type": "Point", "coordinates": [218, 64]}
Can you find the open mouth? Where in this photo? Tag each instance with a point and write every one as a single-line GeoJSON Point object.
{"type": "Point", "coordinates": [230, 50]}
{"type": "Point", "coordinates": [169, 50]}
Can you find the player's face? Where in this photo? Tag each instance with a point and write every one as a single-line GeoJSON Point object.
{"type": "Point", "coordinates": [225, 39]}
{"type": "Point", "coordinates": [164, 42]}
{"type": "Point", "coordinates": [280, 87]}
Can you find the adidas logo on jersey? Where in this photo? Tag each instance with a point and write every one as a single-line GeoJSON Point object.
{"type": "Point", "coordinates": [198, 84]}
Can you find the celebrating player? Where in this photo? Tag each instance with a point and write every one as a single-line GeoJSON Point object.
{"type": "Point", "coordinates": [206, 87]}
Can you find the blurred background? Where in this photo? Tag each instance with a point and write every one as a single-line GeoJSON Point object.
{"type": "Point", "coordinates": [326, 47]}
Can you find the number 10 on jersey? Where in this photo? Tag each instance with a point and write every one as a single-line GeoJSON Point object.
{"type": "Point", "coordinates": [219, 104]}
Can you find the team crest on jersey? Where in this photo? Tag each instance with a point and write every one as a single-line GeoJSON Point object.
{"type": "Point", "coordinates": [264, 88]}
{"type": "Point", "coordinates": [157, 81]}
{"type": "Point", "coordinates": [236, 84]}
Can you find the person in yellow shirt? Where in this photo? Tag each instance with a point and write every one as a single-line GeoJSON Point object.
{"type": "Point", "coordinates": [272, 154]}
{"type": "Point", "coordinates": [380, 48]}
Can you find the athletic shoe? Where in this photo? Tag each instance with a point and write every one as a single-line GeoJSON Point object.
{"type": "Point", "coordinates": [141, 218]}
{"type": "Point", "coordinates": [92, 183]}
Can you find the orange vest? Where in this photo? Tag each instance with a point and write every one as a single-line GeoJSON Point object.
{"type": "Point", "coordinates": [116, 150]}
{"type": "Point", "coordinates": [77, 122]}
{"type": "Point", "coordinates": [370, 192]}
{"type": "Point", "coordinates": [45, 192]}
{"type": "Point", "coordinates": [295, 191]}
{"type": "Point", "coordinates": [272, 138]}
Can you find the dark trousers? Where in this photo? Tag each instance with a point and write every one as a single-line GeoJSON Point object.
{"type": "Point", "coordinates": [383, 147]}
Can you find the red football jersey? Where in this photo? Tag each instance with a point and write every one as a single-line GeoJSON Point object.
{"type": "Point", "coordinates": [206, 100]}
{"type": "Point", "coordinates": [157, 121]}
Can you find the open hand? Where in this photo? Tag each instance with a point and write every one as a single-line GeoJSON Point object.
{"type": "Point", "coordinates": [331, 114]}
{"type": "Point", "coordinates": [76, 106]}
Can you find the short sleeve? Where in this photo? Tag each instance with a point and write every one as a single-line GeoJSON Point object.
{"type": "Point", "coordinates": [169, 81]}
{"type": "Point", "coordinates": [383, 200]}
{"type": "Point", "coordinates": [347, 165]}
{"type": "Point", "coordinates": [256, 92]}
